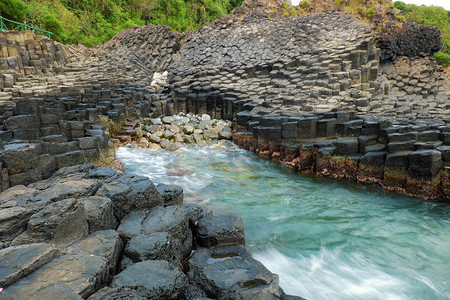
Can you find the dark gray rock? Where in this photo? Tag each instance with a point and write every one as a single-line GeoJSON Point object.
{"type": "Point", "coordinates": [129, 193]}
{"type": "Point", "coordinates": [397, 159]}
{"type": "Point", "coordinates": [222, 229]}
{"type": "Point", "coordinates": [170, 219]}
{"type": "Point", "coordinates": [172, 194]}
{"type": "Point", "coordinates": [101, 173]}
{"type": "Point", "coordinates": [424, 164]}
{"type": "Point", "coordinates": [154, 246]}
{"type": "Point", "coordinates": [19, 261]}
{"type": "Point", "coordinates": [346, 146]}
{"type": "Point", "coordinates": [195, 212]}
{"type": "Point", "coordinates": [131, 224]}
{"type": "Point", "coordinates": [100, 213]}
{"type": "Point", "coordinates": [156, 279]}
{"type": "Point", "coordinates": [231, 273]}
{"type": "Point", "coordinates": [445, 150]}
{"type": "Point", "coordinates": [374, 159]}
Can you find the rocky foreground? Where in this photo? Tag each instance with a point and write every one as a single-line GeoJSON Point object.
{"type": "Point", "coordinates": [93, 233]}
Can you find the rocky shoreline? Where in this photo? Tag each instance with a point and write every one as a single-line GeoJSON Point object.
{"type": "Point", "coordinates": [93, 233]}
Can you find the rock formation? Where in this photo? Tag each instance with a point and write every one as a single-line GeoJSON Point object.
{"type": "Point", "coordinates": [310, 92]}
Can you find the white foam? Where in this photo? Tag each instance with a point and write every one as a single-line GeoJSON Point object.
{"type": "Point", "coordinates": [332, 275]}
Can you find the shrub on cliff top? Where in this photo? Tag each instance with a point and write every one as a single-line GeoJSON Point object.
{"type": "Point", "coordinates": [442, 59]}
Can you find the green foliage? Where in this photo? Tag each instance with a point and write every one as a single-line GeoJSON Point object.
{"type": "Point", "coordinates": [430, 15]}
{"type": "Point", "coordinates": [13, 9]}
{"type": "Point", "coordinates": [304, 4]}
{"type": "Point", "coordinates": [90, 22]}
{"type": "Point", "coordinates": [442, 59]}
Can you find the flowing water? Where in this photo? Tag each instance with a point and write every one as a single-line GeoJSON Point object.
{"type": "Point", "coordinates": [326, 240]}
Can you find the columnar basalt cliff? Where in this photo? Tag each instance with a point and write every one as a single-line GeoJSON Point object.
{"type": "Point", "coordinates": [306, 91]}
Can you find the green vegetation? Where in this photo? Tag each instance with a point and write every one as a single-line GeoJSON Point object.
{"type": "Point", "coordinates": [90, 22]}
{"type": "Point", "coordinates": [430, 15]}
{"type": "Point", "coordinates": [442, 58]}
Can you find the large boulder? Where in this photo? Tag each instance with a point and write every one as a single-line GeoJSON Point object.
{"type": "Point", "coordinates": [222, 229]}
{"type": "Point", "coordinates": [231, 273]}
{"type": "Point", "coordinates": [172, 194]}
{"type": "Point", "coordinates": [154, 246]}
{"type": "Point", "coordinates": [155, 279]}
{"type": "Point", "coordinates": [129, 193]}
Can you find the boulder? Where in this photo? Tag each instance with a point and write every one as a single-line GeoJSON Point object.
{"type": "Point", "coordinates": [171, 219]}
{"type": "Point", "coordinates": [231, 273]}
{"type": "Point", "coordinates": [72, 274]}
{"type": "Point", "coordinates": [100, 213]}
{"type": "Point", "coordinates": [424, 164]}
{"type": "Point", "coordinates": [195, 212]}
{"type": "Point", "coordinates": [19, 261]}
{"type": "Point", "coordinates": [130, 192]}
{"type": "Point", "coordinates": [172, 194]}
{"type": "Point", "coordinates": [13, 221]}
{"type": "Point", "coordinates": [131, 224]}
{"type": "Point", "coordinates": [155, 279]}
{"type": "Point", "coordinates": [154, 246]}
{"type": "Point", "coordinates": [222, 229]}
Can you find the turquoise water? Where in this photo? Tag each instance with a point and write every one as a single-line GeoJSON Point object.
{"type": "Point", "coordinates": [326, 240]}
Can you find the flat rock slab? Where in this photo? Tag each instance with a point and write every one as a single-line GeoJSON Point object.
{"type": "Point", "coordinates": [103, 243]}
{"type": "Point", "coordinates": [117, 293]}
{"type": "Point", "coordinates": [19, 261]}
{"type": "Point", "coordinates": [60, 222]}
{"type": "Point", "coordinates": [81, 274]}
{"type": "Point", "coordinates": [231, 273]}
{"type": "Point", "coordinates": [129, 193]}
{"type": "Point", "coordinates": [155, 279]}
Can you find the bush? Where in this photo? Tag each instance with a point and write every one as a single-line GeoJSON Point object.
{"type": "Point", "coordinates": [13, 9]}
{"type": "Point", "coordinates": [52, 24]}
{"type": "Point", "coordinates": [442, 59]}
{"type": "Point", "coordinates": [304, 4]}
